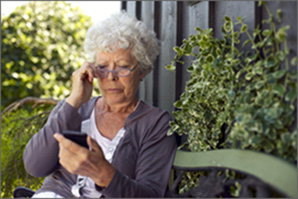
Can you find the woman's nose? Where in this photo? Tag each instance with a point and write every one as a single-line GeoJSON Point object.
{"type": "Point", "coordinates": [112, 76]}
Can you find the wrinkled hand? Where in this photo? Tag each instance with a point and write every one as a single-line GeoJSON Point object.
{"type": "Point", "coordinates": [81, 161]}
{"type": "Point", "coordinates": [82, 84]}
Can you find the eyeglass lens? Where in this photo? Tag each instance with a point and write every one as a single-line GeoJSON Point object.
{"type": "Point", "coordinates": [120, 72]}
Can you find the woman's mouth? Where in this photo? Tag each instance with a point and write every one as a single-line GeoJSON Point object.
{"type": "Point", "coordinates": [115, 90]}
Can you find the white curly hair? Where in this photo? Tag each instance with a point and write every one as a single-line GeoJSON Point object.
{"type": "Point", "coordinates": [123, 31]}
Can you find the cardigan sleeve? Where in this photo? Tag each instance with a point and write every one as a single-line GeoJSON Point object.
{"type": "Point", "coordinates": [41, 153]}
{"type": "Point", "coordinates": [154, 162]}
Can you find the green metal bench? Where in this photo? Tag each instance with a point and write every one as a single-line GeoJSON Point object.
{"type": "Point", "coordinates": [267, 175]}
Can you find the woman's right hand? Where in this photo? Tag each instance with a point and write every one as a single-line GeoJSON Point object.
{"type": "Point", "coordinates": [81, 161]}
{"type": "Point", "coordinates": [82, 85]}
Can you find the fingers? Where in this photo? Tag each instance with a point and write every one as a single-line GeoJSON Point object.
{"type": "Point", "coordinates": [79, 160]}
{"type": "Point", "coordinates": [82, 84]}
{"type": "Point", "coordinates": [71, 155]}
{"type": "Point", "coordinates": [68, 144]}
{"type": "Point", "coordinates": [93, 144]}
{"type": "Point", "coordinates": [58, 137]}
{"type": "Point", "coordinates": [87, 71]}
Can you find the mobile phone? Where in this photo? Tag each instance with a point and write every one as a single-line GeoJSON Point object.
{"type": "Point", "coordinates": [77, 137]}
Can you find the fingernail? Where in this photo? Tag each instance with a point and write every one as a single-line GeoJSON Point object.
{"type": "Point", "coordinates": [57, 135]}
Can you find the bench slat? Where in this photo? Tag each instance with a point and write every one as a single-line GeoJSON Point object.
{"type": "Point", "coordinates": [277, 172]}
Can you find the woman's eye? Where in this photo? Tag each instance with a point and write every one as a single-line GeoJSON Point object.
{"type": "Point", "coordinates": [123, 66]}
{"type": "Point", "coordinates": [101, 66]}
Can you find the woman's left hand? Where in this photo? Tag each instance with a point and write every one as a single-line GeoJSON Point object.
{"type": "Point", "coordinates": [81, 161]}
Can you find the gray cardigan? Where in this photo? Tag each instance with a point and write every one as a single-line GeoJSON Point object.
{"type": "Point", "coordinates": [142, 159]}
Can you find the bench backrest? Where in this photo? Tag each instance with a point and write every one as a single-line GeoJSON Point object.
{"type": "Point", "coordinates": [276, 172]}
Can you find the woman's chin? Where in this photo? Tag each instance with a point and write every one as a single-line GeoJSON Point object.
{"type": "Point", "coordinates": [114, 100]}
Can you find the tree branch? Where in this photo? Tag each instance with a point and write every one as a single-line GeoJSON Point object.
{"type": "Point", "coordinates": [28, 100]}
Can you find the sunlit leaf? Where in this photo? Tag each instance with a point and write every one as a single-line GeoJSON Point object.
{"type": "Point", "coordinates": [170, 67]}
{"type": "Point", "coordinates": [294, 61]}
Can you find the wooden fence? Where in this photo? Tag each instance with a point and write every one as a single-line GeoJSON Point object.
{"type": "Point", "coordinates": [174, 20]}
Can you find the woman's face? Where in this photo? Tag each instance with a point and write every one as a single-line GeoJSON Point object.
{"type": "Point", "coordinates": [118, 90]}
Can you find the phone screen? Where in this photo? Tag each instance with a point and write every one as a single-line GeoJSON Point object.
{"type": "Point", "coordinates": [77, 137]}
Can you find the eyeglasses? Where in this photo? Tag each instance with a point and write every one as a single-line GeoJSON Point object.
{"type": "Point", "coordinates": [119, 72]}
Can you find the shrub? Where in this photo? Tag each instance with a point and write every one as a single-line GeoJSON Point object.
{"type": "Point", "coordinates": [245, 98]}
{"type": "Point", "coordinates": [237, 98]}
{"type": "Point", "coordinates": [42, 44]}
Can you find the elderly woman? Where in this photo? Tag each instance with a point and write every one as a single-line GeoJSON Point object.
{"type": "Point", "coordinates": [130, 154]}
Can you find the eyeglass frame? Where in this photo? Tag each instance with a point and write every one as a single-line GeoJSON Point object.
{"type": "Point", "coordinates": [117, 69]}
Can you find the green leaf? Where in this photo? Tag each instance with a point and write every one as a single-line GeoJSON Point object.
{"type": "Point", "coordinates": [270, 63]}
{"type": "Point", "coordinates": [256, 127]}
{"type": "Point", "coordinates": [281, 55]}
{"type": "Point", "coordinates": [190, 69]}
{"type": "Point", "coordinates": [291, 96]}
{"type": "Point", "coordinates": [249, 76]}
{"type": "Point", "coordinates": [198, 29]}
{"type": "Point", "coordinates": [286, 138]}
{"type": "Point", "coordinates": [294, 61]}
{"type": "Point", "coordinates": [236, 35]}
{"type": "Point", "coordinates": [259, 84]}
{"type": "Point", "coordinates": [218, 52]}
{"type": "Point", "coordinates": [179, 51]}
{"type": "Point", "coordinates": [180, 62]}
{"type": "Point", "coordinates": [268, 102]}
{"type": "Point", "coordinates": [227, 19]}
{"type": "Point", "coordinates": [279, 90]}
{"type": "Point", "coordinates": [264, 93]}
{"type": "Point", "coordinates": [246, 42]}
{"type": "Point", "coordinates": [261, 3]}
{"type": "Point", "coordinates": [255, 141]}
{"type": "Point", "coordinates": [231, 94]}
{"type": "Point", "coordinates": [210, 58]}
{"type": "Point", "coordinates": [267, 32]}
{"type": "Point", "coordinates": [281, 34]}
{"type": "Point", "coordinates": [215, 134]}
{"type": "Point", "coordinates": [270, 79]}
{"type": "Point", "coordinates": [292, 75]}
{"type": "Point", "coordinates": [243, 28]}
{"type": "Point", "coordinates": [279, 74]}
{"type": "Point", "coordinates": [170, 68]}
{"type": "Point", "coordinates": [268, 146]}
{"type": "Point", "coordinates": [228, 26]}
{"type": "Point", "coordinates": [178, 104]}
{"type": "Point", "coordinates": [257, 70]}
{"type": "Point", "coordinates": [278, 13]}
{"type": "Point", "coordinates": [187, 49]}
{"type": "Point", "coordinates": [278, 124]}
{"type": "Point", "coordinates": [185, 41]}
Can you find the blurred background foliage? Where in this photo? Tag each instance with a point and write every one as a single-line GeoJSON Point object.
{"type": "Point", "coordinates": [42, 44]}
{"type": "Point", "coordinates": [16, 130]}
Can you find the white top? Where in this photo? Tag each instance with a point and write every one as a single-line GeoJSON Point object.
{"type": "Point", "coordinates": [108, 147]}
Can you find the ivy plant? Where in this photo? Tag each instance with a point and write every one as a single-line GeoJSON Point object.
{"type": "Point", "coordinates": [238, 98]}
